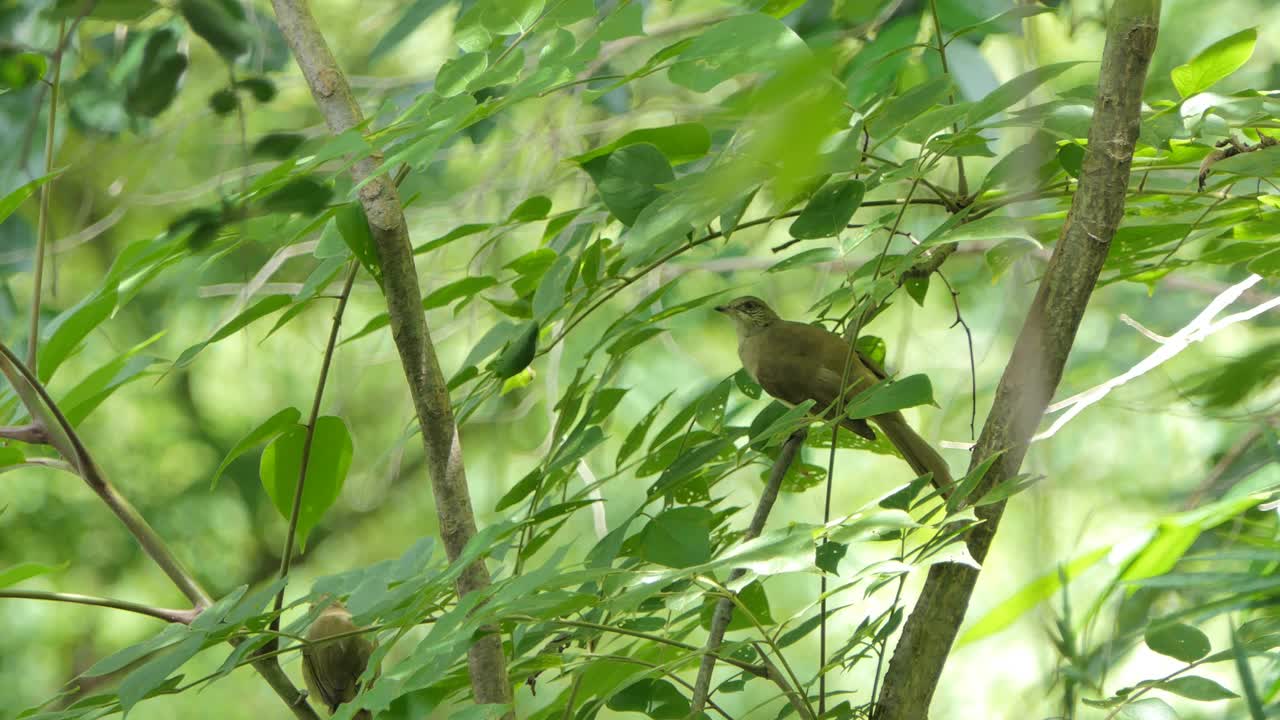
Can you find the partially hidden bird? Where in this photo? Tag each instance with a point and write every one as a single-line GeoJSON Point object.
{"type": "Point", "coordinates": [332, 667]}
{"type": "Point", "coordinates": [795, 362]}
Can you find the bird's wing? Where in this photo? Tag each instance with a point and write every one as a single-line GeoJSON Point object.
{"type": "Point", "coordinates": [792, 370]}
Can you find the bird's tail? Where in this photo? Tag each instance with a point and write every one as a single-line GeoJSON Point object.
{"type": "Point", "coordinates": [918, 453]}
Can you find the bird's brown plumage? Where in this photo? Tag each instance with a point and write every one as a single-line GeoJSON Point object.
{"type": "Point", "coordinates": [795, 362]}
{"type": "Point", "coordinates": [332, 669]}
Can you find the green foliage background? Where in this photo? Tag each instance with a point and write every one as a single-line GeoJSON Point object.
{"type": "Point", "coordinates": [753, 107]}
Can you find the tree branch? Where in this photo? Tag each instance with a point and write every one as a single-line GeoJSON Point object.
{"type": "Point", "coordinates": [1041, 350]}
{"type": "Point", "coordinates": [381, 202]}
{"type": "Point", "coordinates": [724, 607]}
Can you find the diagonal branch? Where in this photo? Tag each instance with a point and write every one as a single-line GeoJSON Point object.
{"type": "Point", "coordinates": [724, 607]}
{"type": "Point", "coordinates": [381, 203]}
{"type": "Point", "coordinates": [1040, 353]}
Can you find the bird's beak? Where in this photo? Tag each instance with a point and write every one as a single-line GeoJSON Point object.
{"type": "Point", "coordinates": [722, 308]}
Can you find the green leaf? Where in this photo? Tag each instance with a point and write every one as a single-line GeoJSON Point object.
{"type": "Point", "coordinates": [99, 385]}
{"type": "Point", "coordinates": [653, 697]}
{"type": "Point", "coordinates": [13, 200]}
{"type": "Point", "coordinates": [735, 46]}
{"type": "Point", "coordinates": [1266, 265]}
{"type": "Point", "coordinates": [1003, 97]}
{"type": "Point", "coordinates": [1178, 641]}
{"type": "Point", "coordinates": [1029, 596]}
{"type": "Point", "coordinates": [278, 145]}
{"type": "Point", "coordinates": [459, 232]}
{"type": "Point", "coordinates": [464, 288]}
{"type": "Point", "coordinates": [413, 15]}
{"type": "Point", "coordinates": [519, 352]}
{"type": "Point", "coordinates": [520, 490]}
{"type": "Point", "coordinates": [24, 571]}
{"type": "Point", "coordinates": [1214, 63]}
{"type": "Point", "coordinates": [911, 104]}
{"type": "Point", "coordinates": [635, 437]}
{"type": "Point", "coordinates": [220, 23]}
{"type": "Point", "coordinates": [262, 308]}
{"type": "Point", "coordinates": [549, 297]}
{"type": "Point", "coordinates": [628, 179]}
{"type": "Point", "coordinates": [678, 538]}
{"type": "Point", "coordinates": [1003, 22]}
{"type": "Point", "coordinates": [1148, 709]}
{"type": "Point", "coordinates": [679, 143]}
{"type": "Point", "coordinates": [1194, 687]}
{"type": "Point", "coordinates": [69, 328]}
{"type": "Point", "coordinates": [533, 208]}
{"type": "Point", "coordinates": [625, 21]}
{"type": "Point", "coordinates": [1247, 684]}
{"type": "Point", "coordinates": [804, 258]}
{"type": "Point", "coordinates": [113, 10]}
{"type": "Point", "coordinates": [892, 395]}
{"type": "Point", "coordinates": [156, 83]}
{"type": "Point", "coordinates": [732, 214]}
{"type": "Point", "coordinates": [829, 210]}
{"type": "Point", "coordinates": [327, 466]}
{"type": "Point", "coordinates": [456, 73]}
{"type": "Point", "coordinates": [304, 194]}
{"type": "Point", "coordinates": [267, 430]}
{"type": "Point", "coordinates": [152, 674]}
{"type": "Point", "coordinates": [828, 555]}
{"type": "Point", "coordinates": [753, 597]}
{"type": "Point", "coordinates": [353, 226]}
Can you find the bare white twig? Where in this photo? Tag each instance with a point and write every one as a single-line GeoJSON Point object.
{"type": "Point", "coordinates": [1198, 329]}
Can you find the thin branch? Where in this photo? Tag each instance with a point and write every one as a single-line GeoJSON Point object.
{"type": "Point", "coordinates": [1039, 354]}
{"type": "Point", "coordinates": [724, 607]}
{"type": "Point", "coordinates": [46, 192]}
{"type": "Point", "coordinates": [286, 555]}
{"type": "Point", "coordinates": [63, 437]}
{"type": "Point", "coordinates": [168, 615]}
{"type": "Point", "coordinates": [31, 433]}
{"type": "Point", "coordinates": [962, 185]}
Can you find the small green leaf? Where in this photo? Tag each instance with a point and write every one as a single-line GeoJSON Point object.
{"type": "Point", "coordinates": [1029, 596]}
{"type": "Point", "coordinates": [829, 210]}
{"type": "Point", "coordinates": [549, 297]}
{"type": "Point", "coordinates": [1003, 97]}
{"type": "Point", "coordinates": [804, 258]}
{"type": "Point", "coordinates": [635, 437]}
{"type": "Point", "coordinates": [828, 555]}
{"type": "Point", "coordinates": [220, 23]}
{"type": "Point", "coordinates": [262, 308]}
{"type": "Point", "coordinates": [752, 597]}
{"type": "Point", "coordinates": [65, 333]}
{"type": "Point", "coordinates": [1178, 641]}
{"type": "Point", "coordinates": [353, 226]}
{"type": "Point", "coordinates": [456, 73]}
{"type": "Point", "coordinates": [1214, 63]}
{"type": "Point", "coordinates": [267, 430]}
{"type": "Point", "coordinates": [534, 208]}
{"type": "Point", "coordinates": [329, 460]}
{"type": "Point", "coordinates": [24, 571]}
{"type": "Point", "coordinates": [464, 288]}
{"type": "Point", "coordinates": [459, 232]}
{"type": "Point", "coordinates": [654, 698]}
{"type": "Point", "coordinates": [678, 538]}
{"type": "Point", "coordinates": [1194, 687]}
{"type": "Point", "coordinates": [680, 143]}
{"type": "Point", "coordinates": [892, 395]}
{"type": "Point", "coordinates": [732, 214]}
{"type": "Point", "coordinates": [628, 179]}
{"type": "Point", "coordinates": [519, 352]}
{"type": "Point", "coordinates": [10, 202]}
{"type": "Point", "coordinates": [304, 194]}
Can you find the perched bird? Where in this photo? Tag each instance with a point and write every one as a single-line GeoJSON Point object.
{"type": "Point", "coordinates": [332, 669]}
{"type": "Point", "coordinates": [795, 362]}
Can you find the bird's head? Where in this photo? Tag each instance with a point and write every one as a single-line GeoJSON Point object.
{"type": "Point", "coordinates": [749, 313]}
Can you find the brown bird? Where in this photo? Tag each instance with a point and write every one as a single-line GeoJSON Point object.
{"type": "Point", "coordinates": [795, 362]}
{"type": "Point", "coordinates": [332, 669]}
